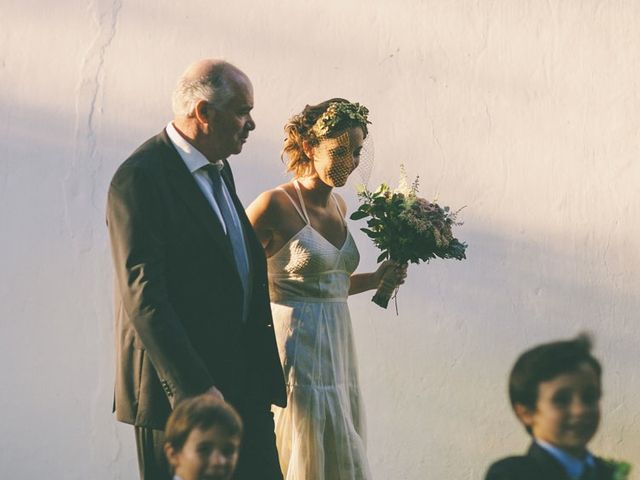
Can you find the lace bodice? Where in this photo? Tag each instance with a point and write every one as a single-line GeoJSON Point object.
{"type": "Point", "coordinates": [309, 266]}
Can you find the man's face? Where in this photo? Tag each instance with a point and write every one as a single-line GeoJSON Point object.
{"type": "Point", "coordinates": [230, 124]}
{"type": "Point", "coordinates": [209, 454]}
{"type": "Point", "coordinates": [568, 410]}
{"type": "Point", "coordinates": [336, 157]}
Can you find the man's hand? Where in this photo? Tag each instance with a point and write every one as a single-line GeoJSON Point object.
{"type": "Point", "coordinates": [214, 392]}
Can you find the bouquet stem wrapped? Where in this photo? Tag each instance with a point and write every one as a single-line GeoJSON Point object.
{"type": "Point", "coordinates": [385, 292]}
{"type": "Point", "coordinates": [407, 228]}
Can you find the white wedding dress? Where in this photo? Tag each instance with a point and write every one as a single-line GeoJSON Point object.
{"type": "Point", "coordinates": [320, 434]}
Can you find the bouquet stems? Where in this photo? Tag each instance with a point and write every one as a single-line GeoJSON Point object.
{"type": "Point", "coordinates": [386, 291]}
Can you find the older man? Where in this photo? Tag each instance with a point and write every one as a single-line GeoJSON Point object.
{"type": "Point", "coordinates": [192, 306]}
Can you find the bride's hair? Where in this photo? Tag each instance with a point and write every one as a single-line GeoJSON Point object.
{"type": "Point", "coordinates": [299, 130]}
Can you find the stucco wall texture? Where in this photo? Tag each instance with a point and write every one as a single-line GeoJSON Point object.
{"type": "Point", "coordinates": [525, 111]}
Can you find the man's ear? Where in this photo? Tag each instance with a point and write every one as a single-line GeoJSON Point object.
{"type": "Point", "coordinates": [524, 414]}
{"type": "Point", "coordinates": [204, 112]}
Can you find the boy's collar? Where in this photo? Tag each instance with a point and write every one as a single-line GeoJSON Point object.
{"type": "Point", "coordinates": [572, 465]}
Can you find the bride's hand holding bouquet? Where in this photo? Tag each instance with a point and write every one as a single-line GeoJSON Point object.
{"type": "Point", "coordinates": [389, 275]}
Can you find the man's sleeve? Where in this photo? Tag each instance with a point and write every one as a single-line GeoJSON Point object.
{"type": "Point", "coordinates": [138, 244]}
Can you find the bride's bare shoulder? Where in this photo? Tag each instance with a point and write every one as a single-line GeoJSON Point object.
{"type": "Point", "coordinates": [270, 203]}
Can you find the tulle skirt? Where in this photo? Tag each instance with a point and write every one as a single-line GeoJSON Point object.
{"type": "Point", "coordinates": [321, 433]}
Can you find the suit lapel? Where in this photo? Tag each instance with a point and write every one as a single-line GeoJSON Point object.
{"type": "Point", "coordinates": [186, 187]}
{"type": "Point", "coordinates": [551, 468]}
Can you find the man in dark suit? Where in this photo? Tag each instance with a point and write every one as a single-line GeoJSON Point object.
{"type": "Point", "coordinates": [192, 305]}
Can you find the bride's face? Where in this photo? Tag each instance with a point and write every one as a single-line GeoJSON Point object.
{"type": "Point", "coordinates": [336, 157]}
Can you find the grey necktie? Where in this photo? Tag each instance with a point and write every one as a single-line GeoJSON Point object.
{"type": "Point", "coordinates": [234, 231]}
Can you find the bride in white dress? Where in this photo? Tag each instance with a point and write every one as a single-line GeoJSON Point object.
{"type": "Point", "coordinates": [311, 260]}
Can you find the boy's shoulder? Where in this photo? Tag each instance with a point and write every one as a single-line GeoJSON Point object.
{"type": "Point", "coordinates": [537, 464]}
{"type": "Point", "coordinates": [520, 467]}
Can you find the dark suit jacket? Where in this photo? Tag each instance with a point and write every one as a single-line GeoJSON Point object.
{"type": "Point", "coordinates": [537, 464]}
{"type": "Point", "coordinates": [178, 295]}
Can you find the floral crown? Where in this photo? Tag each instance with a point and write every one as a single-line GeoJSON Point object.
{"type": "Point", "coordinates": [339, 116]}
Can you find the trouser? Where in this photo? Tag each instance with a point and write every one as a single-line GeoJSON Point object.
{"type": "Point", "coordinates": [152, 461]}
{"type": "Point", "coordinates": [258, 454]}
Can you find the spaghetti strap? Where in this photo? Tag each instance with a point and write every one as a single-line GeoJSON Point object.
{"type": "Point", "coordinates": [293, 202]}
{"type": "Point", "coordinates": [305, 216]}
{"type": "Point", "coordinates": [335, 199]}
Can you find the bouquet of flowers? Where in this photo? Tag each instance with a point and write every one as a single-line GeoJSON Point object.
{"type": "Point", "coordinates": [407, 228]}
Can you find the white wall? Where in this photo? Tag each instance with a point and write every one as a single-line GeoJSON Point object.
{"type": "Point", "coordinates": [528, 112]}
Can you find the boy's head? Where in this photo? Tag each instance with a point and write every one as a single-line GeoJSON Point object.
{"type": "Point", "coordinates": [555, 392]}
{"type": "Point", "coordinates": [202, 439]}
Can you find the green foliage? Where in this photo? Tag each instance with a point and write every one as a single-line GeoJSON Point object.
{"type": "Point", "coordinates": [621, 469]}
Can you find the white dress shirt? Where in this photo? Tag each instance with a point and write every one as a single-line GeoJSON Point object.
{"type": "Point", "coordinates": [195, 161]}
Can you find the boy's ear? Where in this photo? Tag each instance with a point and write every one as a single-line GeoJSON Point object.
{"type": "Point", "coordinates": [172, 455]}
{"type": "Point", "coordinates": [524, 414]}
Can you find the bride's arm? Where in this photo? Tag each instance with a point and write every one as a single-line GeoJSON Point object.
{"type": "Point", "coordinates": [388, 272]}
{"type": "Point", "coordinates": [361, 282]}
{"type": "Point", "coordinates": [259, 213]}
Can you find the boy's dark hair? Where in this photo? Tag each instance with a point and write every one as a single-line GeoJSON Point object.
{"type": "Point", "coordinates": [203, 411]}
{"type": "Point", "coordinates": [544, 363]}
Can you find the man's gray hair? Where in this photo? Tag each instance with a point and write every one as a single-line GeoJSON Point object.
{"type": "Point", "coordinates": [214, 87]}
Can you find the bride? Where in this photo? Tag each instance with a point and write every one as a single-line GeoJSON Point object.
{"type": "Point", "coordinates": [311, 260]}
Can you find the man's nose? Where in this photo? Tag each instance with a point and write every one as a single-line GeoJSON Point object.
{"type": "Point", "coordinates": [251, 124]}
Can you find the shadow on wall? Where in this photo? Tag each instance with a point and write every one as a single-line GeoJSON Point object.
{"type": "Point", "coordinates": [53, 188]}
{"type": "Point", "coordinates": [443, 362]}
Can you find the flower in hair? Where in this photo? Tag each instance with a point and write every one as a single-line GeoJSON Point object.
{"type": "Point", "coordinates": [339, 116]}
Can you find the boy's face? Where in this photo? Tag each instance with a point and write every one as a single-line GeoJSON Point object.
{"type": "Point", "coordinates": [568, 410]}
{"type": "Point", "coordinates": [209, 454]}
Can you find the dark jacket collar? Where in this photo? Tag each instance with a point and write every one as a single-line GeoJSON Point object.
{"type": "Point", "coordinates": [552, 467]}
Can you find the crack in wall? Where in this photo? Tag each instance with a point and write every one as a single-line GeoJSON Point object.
{"type": "Point", "coordinates": [82, 215]}
{"type": "Point", "coordinates": [80, 181]}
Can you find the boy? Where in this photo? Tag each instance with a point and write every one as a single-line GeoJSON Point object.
{"type": "Point", "coordinates": [202, 439]}
{"type": "Point", "coordinates": [555, 392]}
